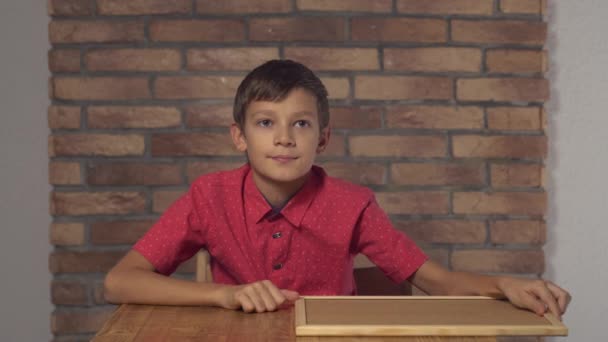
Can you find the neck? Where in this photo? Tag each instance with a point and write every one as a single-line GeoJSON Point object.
{"type": "Point", "coordinates": [278, 193]}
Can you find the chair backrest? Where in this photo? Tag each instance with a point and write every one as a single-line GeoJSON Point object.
{"type": "Point", "coordinates": [370, 280]}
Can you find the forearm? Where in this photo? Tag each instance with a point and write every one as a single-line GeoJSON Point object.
{"type": "Point", "coordinates": [470, 284]}
{"type": "Point", "coordinates": [436, 280]}
{"type": "Point", "coordinates": [146, 287]}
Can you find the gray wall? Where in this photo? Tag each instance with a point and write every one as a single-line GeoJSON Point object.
{"type": "Point", "coordinates": [24, 290]}
{"type": "Point", "coordinates": [578, 129]}
{"type": "Point", "coordinates": [576, 254]}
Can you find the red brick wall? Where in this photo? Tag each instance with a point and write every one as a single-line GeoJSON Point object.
{"type": "Point", "coordinates": [436, 105]}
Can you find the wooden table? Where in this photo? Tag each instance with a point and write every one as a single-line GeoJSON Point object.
{"type": "Point", "coordinates": [153, 323]}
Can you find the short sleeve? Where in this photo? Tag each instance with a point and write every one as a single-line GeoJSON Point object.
{"type": "Point", "coordinates": [175, 237]}
{"type": "Point", "coordinates": [391, 250]}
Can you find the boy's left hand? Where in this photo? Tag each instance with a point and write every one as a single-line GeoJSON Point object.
{"type": "Point", "coordinates": [536, 295]}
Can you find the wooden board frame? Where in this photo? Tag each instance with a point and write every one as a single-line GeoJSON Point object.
{"type": "Point", "coordinates": [553, 326]}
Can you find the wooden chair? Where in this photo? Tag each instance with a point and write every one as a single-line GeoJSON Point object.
{"type": "Point", "coordinates": [369, 279]}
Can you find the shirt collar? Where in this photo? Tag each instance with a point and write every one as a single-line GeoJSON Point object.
{"type": "Point", "coordinates": [257, 207]}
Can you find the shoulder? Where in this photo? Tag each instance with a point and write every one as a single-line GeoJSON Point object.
{"type": "Point", "coordinates": [337, 190]}
{"type": "Point", "coordinates": [220, 181]}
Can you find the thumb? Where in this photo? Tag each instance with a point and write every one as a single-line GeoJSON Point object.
{"type": "Point", "coordinates": [290, 295]}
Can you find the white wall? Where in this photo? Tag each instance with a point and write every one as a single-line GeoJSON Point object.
{"type": "Point", "coordinates": [24, 289]}
{"type": "Point", "coordinates": [577, 255]}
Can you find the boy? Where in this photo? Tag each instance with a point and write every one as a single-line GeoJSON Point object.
{"type": "Point", "coordinates": [279, 227]}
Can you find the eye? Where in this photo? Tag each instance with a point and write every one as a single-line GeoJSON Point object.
{"type": "Point", "coordinates": [264, 123]}
{"type": "Point", "coordinates": [302, 123]}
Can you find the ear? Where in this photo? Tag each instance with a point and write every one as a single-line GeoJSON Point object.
{"type": "Point", "coordinates": [238, 137]}
{"type": "Point", "coordinates": [324, 139]}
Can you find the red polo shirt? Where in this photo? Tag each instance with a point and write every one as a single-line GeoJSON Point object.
{"type": "Point", "coordinates": [308, 247]}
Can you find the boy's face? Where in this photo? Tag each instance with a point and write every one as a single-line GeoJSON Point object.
{"type": "Point", "coordinates": [282, 138]}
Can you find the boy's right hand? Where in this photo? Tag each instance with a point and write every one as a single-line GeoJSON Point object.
{"type": "Point", "coordinates": [260, 296]}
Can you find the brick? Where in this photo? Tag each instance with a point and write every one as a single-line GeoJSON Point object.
{"type": "Point", "coordinates": [337, 87]}
{"type": "Point", "coordinates": [355, 117]}
{"type": "Point", "coordinates": [433, 59]}
{"type": "Point", "coordinates": [96, 145]}
{"type": "Point", "coordinates": [64, 117]}
{"type": "Point", "coordinates": [438, 174]}
{"type": "Point", "coordinates": [98, 294]}
{"type": "Point", "coordinates": [444, 231]}
{"type": "Point", "coordinates": [68, 293]}
{"type": "Point", "coordinates": [197, 169]}
{"type": "Point", "coordinates": [241, 7]}
{"type": "Point", "coordinates": [515, 118]}
{"type": "Point", "coordinates": [192, 144]}
{"type": "Point", "coordinates": [468, 7]}
{"type": "Point", "coordinates": [179, 30]}
{"type": "Point", "coordinates": [439, 255]}
{"type": "Point", "coordinates": [70, 7]}
{"type": "Point", "coordinates": [310, 29]}
{"type": "Point", "coordinates": [475, 146]}
{"type": "Point", "coordinates": [133, 117]}
{"type": "Point", "coordinates": [98, 31]}
{"type": "Point", "coordinates": [163, 199]}
{"type": "Point", "coordinates": [337, 146]}
{"type": "Point", "coordinates": [318, 58]}
{"type": "Point", "coordinates": [196, 87]}
{"type": "Point", "coordinates": [100, 88]}
{"type": "Point", "coordinates": [499, 32]}
{"type": "Point", "coordinates": [423, 146]}
{"type": "Point", "coordinates": [435, 117]}
{"type": "Point", "coordinates": [133, 60]}
{"type": "Point", "coordinates": [518, 232]}
{"type": "Point", "coordinates": [97, 203]}
{"type": "Point", "coordinates": [83, 262]}
{"type": "Point", "coordinates": [377, 6]}
{"type": "Point", "coordinates": [502, 89]}
{"type": "Point", "coordinates": [521, 6]}
{"type": "Point", "coordinates": [64, 173]}
{"type": "Point", "coordinates": [516, 61]}
{"type": "Point", "coordinates": [119, 232]}
{"type": "Point", "coordinates": [143, 7]}
{"type": "Point", "coordinates": [80, 321]}
{"type": "Point", "coordinates": [498, 261]}
{"type": "Point", "coordinates": [133, 174]}
{"type": "Point", "coordinates": [500, 203]}
{"type": "Point", "coordinates": [402, 88]}
{"type": "Point", "coordinates": [516, 175]}
{"type": "Point", "coordinates": [413, 202]}
{"type": "Point", "coordinates": [209, 116]}
{"type": "Point", "coordinates": [358, 172]}
{"type": "Point", "coordinates": [67, 234]}
{"type": "Point", "coordinates": [64, 60]}
{"type": "Point", "coordinates": [220, 59]}
{"type": "Point", "coordinates": [414, 30]}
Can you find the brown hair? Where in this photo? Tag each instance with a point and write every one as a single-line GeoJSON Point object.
{"type": "Point", "coordinates": [272, 81]}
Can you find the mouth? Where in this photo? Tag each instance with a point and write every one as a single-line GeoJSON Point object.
{"type": "Point", "coordinates": [283, 159]}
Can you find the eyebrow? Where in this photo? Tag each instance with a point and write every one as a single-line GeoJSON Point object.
{"type": "Point", "coordinates": [271, 112]}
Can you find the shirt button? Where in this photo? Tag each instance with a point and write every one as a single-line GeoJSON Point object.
{"type": "Point", "coordinates": [276, 235]}
{"type": "Point", "coordinates": [277, 266]}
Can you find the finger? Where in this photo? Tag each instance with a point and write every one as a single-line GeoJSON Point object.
{"type": "Point", "coordinates": [255, 298]}
{"type": "Point", "coordinates": [266, 296]}
{"type": "Point", "coordinates": [547, 298]}
{"type": "Point", "coordinates": [563, 297]}
{"type": "Point", "coordinates": [245, 302]}
{"type": "Point", "coordinates": [290, 295]}
{"type": "Point", "coordinates": [274, 291]}
{"type": "Point", "coordinates": [531, 302]}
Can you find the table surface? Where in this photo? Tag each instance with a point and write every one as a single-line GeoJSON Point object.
{"type": "Point", "coordinates": [132, 322]}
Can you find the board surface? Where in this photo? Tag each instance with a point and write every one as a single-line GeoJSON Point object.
{"type": "Point", "coordinates": [419, 316]}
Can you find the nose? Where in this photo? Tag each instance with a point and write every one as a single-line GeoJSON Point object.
{"type": "Point", "coordinates": [284, 136]}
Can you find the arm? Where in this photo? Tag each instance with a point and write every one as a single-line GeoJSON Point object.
{"type": "Point", "coordinates": [134, 280]}
{"type": "Point", "coordinates": [535, 295]}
